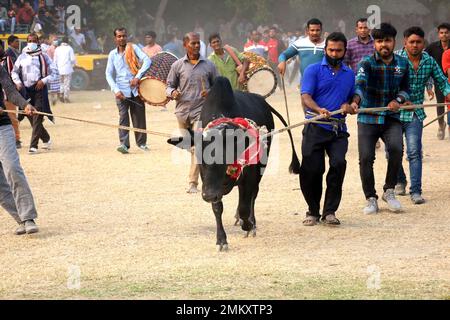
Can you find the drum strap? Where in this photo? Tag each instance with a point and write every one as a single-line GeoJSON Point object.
{"type": "Point", "coordinates": [234, 57]}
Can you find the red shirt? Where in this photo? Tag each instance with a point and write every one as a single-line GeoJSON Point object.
{"type": "Point", "coordinates": [272, 44]}
{"type": "Point", "coordinates": [25, 15]}
{"type": "Point", "coordinates": [446, 66]}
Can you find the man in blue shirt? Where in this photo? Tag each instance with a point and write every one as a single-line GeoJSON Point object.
{"type": "Point", "coordinates": [327, 86]}
{"type": "Point", "coordinates": [126, 66]}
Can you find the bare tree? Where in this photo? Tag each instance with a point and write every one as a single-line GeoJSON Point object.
{"type": "Point", "coordinates": [161, 9]}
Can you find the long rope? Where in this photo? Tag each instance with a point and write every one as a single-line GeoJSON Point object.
{"type": "Point", "coordinates": [433, 121]}
{"type": "Point", "coordinates": [285, 100]}
{"type": "Point", "coordinates": [155, 133]}
{"type": "Point", "coordinates": [360, 111]}
{"type": "Point", "coordinates": [270, 134]}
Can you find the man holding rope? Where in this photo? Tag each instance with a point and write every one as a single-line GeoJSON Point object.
{"type": "Point", "coordinates": [382, 80]}
{"type": "Point", "coordinates": [327, 86]}
{"type": "Point", "coordinates": [421, 67]}
{"type": "Point", "coordinates": [15, 193]}
{"type": "Point", "coordinates": [128, 63]}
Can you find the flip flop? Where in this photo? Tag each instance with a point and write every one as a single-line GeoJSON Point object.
{"type": "Point", "coordinates": [311, 221]}
{"type": "Point", "coordinates": [331, 220]}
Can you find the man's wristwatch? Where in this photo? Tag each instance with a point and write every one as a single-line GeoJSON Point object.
{"type": "Point", "coordinates": [400, 99]}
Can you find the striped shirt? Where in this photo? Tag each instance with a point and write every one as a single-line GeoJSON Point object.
{"type": "Point", "coordinates": [377, 84]}
{"type": "Point", "coordinates": [308, 52]}
{"type": "Point", "coordinates": [418, 80]}
{"type": "Point", "coordinates": [259, 48]}
{"type": "Point", "coordinates": [356, 50]}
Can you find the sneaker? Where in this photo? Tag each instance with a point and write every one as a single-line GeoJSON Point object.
{"type": "Point", "coordinates": [20, 229]}
{"type": "Point", "coordinates": [31, 227]}
{"type": "Point", "coordinates": [67, 100]}
{"type": "Point", "coordinates": [372, 206]}
{"type": "Point", "coordinates": [400, 189]}
{"type": "Point", "coordinates": [47, 145]}
{"type": "Point", "coordinates": [417, 198]}
{"type": "Point", "coordinates": [33, 151]}
{"type": "Point", "coordinates": [18, 144]}
{"type": "Point", "coordinates": [192, 188]}
{"type": "Point", "coordinates": [144, 147]}
{"type": "Point", "coordinates": [122, 149]}
{"type": "Point", "coordinates": [393, 204]}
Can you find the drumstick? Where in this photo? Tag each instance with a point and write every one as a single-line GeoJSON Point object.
{"type": "Point", "coordinates": [140, 105]}
{"type": "Point", "coordinates": [203, 85]}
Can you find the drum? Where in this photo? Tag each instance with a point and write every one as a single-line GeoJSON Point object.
{"type": "Point", "coordinates": [152, 88]}
{"type": "Point", "coordinates": [262, 81]}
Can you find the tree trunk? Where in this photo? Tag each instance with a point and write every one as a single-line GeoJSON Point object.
{"type": "Point", "coordinates": [161, 8]}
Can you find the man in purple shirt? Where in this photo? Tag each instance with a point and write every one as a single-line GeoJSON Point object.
{"type": "Point", "coordinates": [360, 46]}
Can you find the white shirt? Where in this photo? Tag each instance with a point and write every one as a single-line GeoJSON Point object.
{"type": "Point", "coordinates": [203, 49]}
{"type": "Point", "coordinates": [64, 59]}
{"type": "Point", "coordinates": [79, 38]}
{"type": "Point", "coordinates": [31, 70]}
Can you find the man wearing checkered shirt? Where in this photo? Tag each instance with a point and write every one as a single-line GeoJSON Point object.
{"type": "Point", "coordinates": [360, 46]}
{"type": "Point", "coordinates": [421, 67]}
{"type": "Point", "coordinates": [382, 80]}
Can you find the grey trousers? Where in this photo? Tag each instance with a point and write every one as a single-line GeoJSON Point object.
{"type": "Point", "coordinates": [15, 193]}
{"type": "Point", "coordinates": [137, 112]}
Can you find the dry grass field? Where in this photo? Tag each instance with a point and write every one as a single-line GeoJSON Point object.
{"type": "Point", "coordinates": [122, 227]}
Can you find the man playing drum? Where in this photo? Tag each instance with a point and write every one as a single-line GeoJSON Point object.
{"type": "Point", "coordinates": [189, 81]}
{"type": "Point", "coordinates": [228, 61]}
{"type": "Point", "coordinates": [125, 63]}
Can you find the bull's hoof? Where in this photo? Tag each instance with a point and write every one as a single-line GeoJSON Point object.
{"type": "Point", "coordinates": [222, 247]}
{"type": "Point", "coordinates": [252, 232]}
{"type": "Point", "coordinates": [247, 225]}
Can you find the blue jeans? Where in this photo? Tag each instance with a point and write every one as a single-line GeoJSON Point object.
{"type": "Point", "coordinates": [15, 193]}
{"type": "Point", "coordinates": [413, 133]}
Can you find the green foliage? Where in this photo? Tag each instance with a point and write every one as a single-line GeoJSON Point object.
{"type": "Point", "coordinates": [110, 14]}
{"type": "Point", "coordinates": [259, 11]}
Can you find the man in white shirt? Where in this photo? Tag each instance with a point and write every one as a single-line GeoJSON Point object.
{"type": "Point", "coordinates": [64, 60]}
{"type": "Point", "coordinates": [79, 38]}
{"type": "Point", "coordinates": [32, 72]}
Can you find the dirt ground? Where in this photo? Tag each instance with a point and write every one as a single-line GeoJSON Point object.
{"type": "Point", "coordinates": [122, 226]}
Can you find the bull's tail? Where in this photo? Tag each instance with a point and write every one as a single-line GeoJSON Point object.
{"type": "Point", "coordinates": [295, 163]}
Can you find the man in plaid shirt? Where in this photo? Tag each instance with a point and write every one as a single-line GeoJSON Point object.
{"type": "Point", "coordinates": [360, 46]}
{"type": "Point", "coordinates": [382, 80]}
{"type": "Point", "coordinates": [421, 67]}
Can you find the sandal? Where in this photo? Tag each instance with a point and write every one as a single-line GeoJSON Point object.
{"type": "Point", "coordinates": [311, 221]}
{"type": "Point", "coordinates": [331, 220]}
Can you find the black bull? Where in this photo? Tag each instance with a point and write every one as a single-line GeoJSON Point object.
{"type": "Point", "coordinates": [222, 102]}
